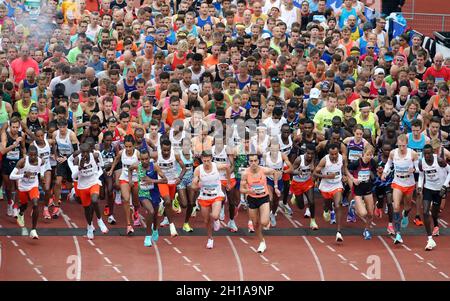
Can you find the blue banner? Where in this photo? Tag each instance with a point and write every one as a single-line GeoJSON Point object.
{"type": "Point", "coordinates": [398, 29]}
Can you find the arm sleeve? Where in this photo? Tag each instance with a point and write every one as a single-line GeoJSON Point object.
{"type": "Point", "coordinates": [447, 180]}
{"type": "Point", "coordinates": [420, 182]}
{"type": "Point", "coordinates": [387, 167]}
{"type": "Point", "coordinates": [15, 175]}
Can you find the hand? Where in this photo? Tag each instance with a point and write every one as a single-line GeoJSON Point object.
{"type": "Point", "coordinates": [228, 187]}
{"type": "Point", "coordinates": [356, 181]}
{"type": "Point", "coordinates": [411, 170]}
{"type": "Point", "coordinates": [61, 159]}
{"type": "Point", "coordinates": [277, 192]}
{"type": "Point", "coordinates": [109, 173]}
{"type": "Point", "coordinates": [177, 181]}
{"type": "Point", "coordinates": [18, 140]}
{"type": "Point", "coordinates": [27, 174]}
{"type": "Point", "coordinates": [419, 190]}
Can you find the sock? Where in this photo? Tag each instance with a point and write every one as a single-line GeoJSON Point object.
{"type": "Point", "coordinates": [397, 221]}
{"type": "Point", "coordinates": [430, 237]}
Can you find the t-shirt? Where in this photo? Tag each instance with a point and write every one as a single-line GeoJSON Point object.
{"type": "Point", "coordinates": [70, 87]}
{"type": "Point", "coordinates": [19, 68]}
{"type": "Point", "coordinates": [323, 117]}
{"type": "Point", "coordinates": [442, 75]}
{"type": "Point", "coordinates": [72, 56]}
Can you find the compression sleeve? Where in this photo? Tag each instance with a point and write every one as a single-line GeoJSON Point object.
{"type": "Point", "coordinates": [387, 167]}
{"type": "Point", "coordinates": [15, 175]}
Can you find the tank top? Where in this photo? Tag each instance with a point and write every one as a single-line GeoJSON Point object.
{"type": "Point", "coordinates": [171, 118]}
{"type": "Point", "coordinates": [145, 118]}
{"type": "Point", "coordinates": [26, 184]}
{"type": "Point", "coordinates": [45, 116]}
{"type": "Point", "coordinates": [4, 116]}
{"type": "Point", "coordinates": [78, 114]}
{"type": "Point", "coordinates": [88, 176]}
{"type": "Point", "coordinates": [127, 161]}
{"type": "Point", "coordinates": [355, 150]}
{"type": "Point", "coordinates": [312, 109]}
{"type": "Point", "coordinates": [107, 155]}
{"type": "Point", "coordinates": [129, 88]}
{"type": "Point", "coordinates": [221, 158]}
{"type": "Point", "coordinates": [26, 84]}
{"type": "Point", "coordinates": [399, 104]}
{"type": "Point", "coordinates": [330, 168]}
{"type": "Point", "coordinates": [168, 166]}
{"type": "Point", "coordinates": [236, 114]}
{"type": "Point", "coordinates": [241, 85]}
{"type": "Point", "coordinates": [64, 145]}
{"type": "Point", "coordinates": [367, 124]}
{"type": "Point", "coordinates": [176, 142]}
{"type": "Point", "coordinates": [344, 16]}
{"type": "Point", "coordinates": [434, 174]}
{"type": "Point", "coordinates": [44, 153]}
{"type": "Point", "coordinates": [210, 185]}
{"type": "Point", "coordinates": [374, 89]}
{"type": "Point", "coordinates": [23, 111]}
{"type": "Point", "coordinates": [258, 183]}
{"type": "Point", "coordinates": [416, 146]}
{"type": "Point", "coordinates": [177, 61]}
{"type": "Point", "coordinates": [437, 99]}
{"type": "Point", "coordinates": [202, 22]}
{"type": "Point", "coordinates": [188, 163]}
{"type": "Point", "coordinates": [402, 176]}
{"type": "Point", "coordinates": [144, 189]}
{"type": "Point", "coordinates": [277, 165]}
{"type": "Point", "coordinates": [305, 171]}
{"type": "Point", "coordinates": [406, 123]}
{"type": "Point", "coordinates": [285, 148]}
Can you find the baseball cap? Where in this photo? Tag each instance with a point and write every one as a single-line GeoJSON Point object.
{"type": "Point", "coordinates": [325, 85]}
{"type": "Point", "coordinates": [315, 93]}
{"type": "Point", "coordinates": [265, 36]}
{"type": "Point", "coordinates": [379, 71]}
{"type": "Point", "coordinates": [149, 39]}
{"type": "Point", "coordinates": [194, 88]}
{"type": "Point", "coordinates": [388, 58]}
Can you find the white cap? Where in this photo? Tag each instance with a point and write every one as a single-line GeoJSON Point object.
{"type": "Point", "coordinates": [379, 71]}
{"type": "Point", "coordinates": [265, 36]}
{"type": "Point", "coordinates": [315, 93]}
{"type": "Point", "coordinates": [194, 88]}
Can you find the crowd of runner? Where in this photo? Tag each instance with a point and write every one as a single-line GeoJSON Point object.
{"type": "Point", "coordinates": [168, 107]}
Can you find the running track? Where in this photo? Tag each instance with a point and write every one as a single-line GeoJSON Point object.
{"type": "Point", "coordinates": [294, 252]}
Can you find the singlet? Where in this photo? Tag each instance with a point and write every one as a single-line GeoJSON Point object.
{"type": "Point", "coordinates": [328, 185]}
{"type": "Point", "coordinates": [26, 184]}
{"type": "Point", "coordinates": [210, 185]}
{"type": "Point", "coordinates": [402, 176]}
{"type": "Point", "coordinates": [235, 114]}
{"type": "Point", "coordinates": [305, 171]}
{"type": "Point", "coordinates": [64, 145]}
{"type": "Point", "coordinates": [406, 123]}
{"type": "Point", "coordinates": [277, 165]}
{"type": "Point", "coordinates": [374, 89]}
{"type": "Point", "coordinates": [176, 142]}
{"type": "Point", "coordinates": [23, 111]}
{"type": "Point", "coordinates": [79, 118]}
{"type": "Point", "coordinates": [258, 183]}
{"type": "Point", "coordinates": [241, 85]}
{"type": "Point", "coordinates": [107, 155]}
{"type": "Point", "coordinates": [188, 163]}
{"type": "Point", "coordinates": [362, 172]}
{"type": "Point", "coordinates": [4, 116]}
{"type": "Point", "coordinates": [171, 118]}
{"type": "Point", "coordinates": [221, 158]}
{"type": "Point", "coordinates": [345, 14]}
{"type": "Point", "coordinates": [435, 175]}
{"type": "Point", "coordinates": [127, 161]}
{"type": "Point", "coordinates": [202, 22]}
{"type": "Point", "coordinates": [145, 118]}
{"type": "Point", "coordinates": [398, 102]}
{"type": "Point", "coordinates": [285, 148]}
{"type": "Point", "coordinates": [26, 84]}
{"type": "Point", "coordinates": [312, 109]}
{"type": "Point", "coordinates": [240, 164]}
{"type": "Point", "coordinates": [144, 189]}
{"type": "Point", "coordinates": [168, 166]}
{"type": "Point", "coordinates": [177, 61]}
{"type": "Point", "coordinates": [88, 176]}
{"type": "Point", "coordinates": [45, 116]}
{"type": "Point", "coordinates": [367, 124]}
{"type": "Point", "coordinates": [416, 146]}
{"type": "Point", "coordinates": [44, 153]}
{"type": "Point", "coordinates": [129, 88]}
{"type": "Point", "coordinates": [355, 150]}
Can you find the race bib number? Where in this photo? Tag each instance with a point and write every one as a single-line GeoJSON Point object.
{"type": "Point", "coordinates": [146, 186]}
{"type": "Point", "coordinates": [210, 190]}
{"type": "Point", "coordinates": [354, 155]}
{"type": "Point", "coordinates": [13, 155]}
{"type": "Point", "coordinates": [364, 175]}
{"type": "Point", "coordinates": [336, 178]}
{"type": "Point", "coordinates": [258, 189]}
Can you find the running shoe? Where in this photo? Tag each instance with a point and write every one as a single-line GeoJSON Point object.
{"type": "Point", "coordinates": [431, 244]}
{"type": "Point", "coordinates": [165, 222]}
{"type": "Point", "coordinates": [102, 226]}
{"type": "Point", "coordinates": [273, 220]}
{"type": "Point", "coordinates": [345, 202]}
{"type": "Point", "coordinates": [173, 230]}
{"type": "Point", "coordinates": [339, 237]}
{"type": "Point", "coordinates": [33, 234]}
{"type": "Point", "coordinates": [313, 225]}
{"type": "Point", "coordinates": [106, 211]}
{"type": "Point", "coordinates": [118, 198]}
{"type": "Point", "coordinates": [176, 205]}
{"type": "Point", "coordinates": [262, 247]}
{"type": "Point", "coordinates": [90, 232]}
{"type": "Point", "coordinates": [333, 218]}
{"type": "Point", "coordinates": [130, 230]}
{"type": "Point", "coordinates": [251, 229]}
{"type": "Point", "coordinates": [307, 213]}
{"type": "Point", "coordinates": [326, 216]}
{"type": "Point", "coordinates": [9, 210]}
{"type": "Point", "coordinates": [136, 219]}
{"type": "Point", "coordinates": [267, 227]}
{"type": "Point", "coordinates": [390, 229]}
{"type": "Point", "coordinates": [187, 228]}
{"type": "Point", "coordinates": [435, 231]}
{"type": "Point", "coordinates": [417, 221]}
{"type": "Point", "coordinates": [148, 241]}
{"type": "Point", "coordinates": [367, 235]}
{"type": "Point", "coordinates": [293, 200]}
{"type": "Point", "coordinates": [111, 220]}
{"type": "Point", "coordinates": [155, 235]}
{"type": "Point", "coordinates": [351, 215]}
{"type": "Point", "coordinates": [232, 226]}
{"type": "Point", "coordinates": [161, 208]}
{"type": "Point", "coordinates": [398, 239]}
{"type": "Point", "coordinates": [287, 209]}
{"type": "Point", "coordinates": [47, 213]}
{"type": "Point", "coordinates": [378, 212]}
{"type": "Point", "coordinates": [210, 243]}
{"type": "Point", "coordinates": [56, 212]}
{"type": "Point", "coordinates": [243, 203]}
{"type": "Point", "coordinates": [21, 220]}
{"type": "Point", "coordinates": [194, 211]}
{"type": "Point", "coordinates": [405, 220]}
{"type": "Point", "coordinates": [15, 211]}
{"type": "Point", "coordinates": [216, 225]}
{"type": "Point", "coordinates": [222, 213]}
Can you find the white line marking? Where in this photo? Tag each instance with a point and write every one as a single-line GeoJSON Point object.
{"type": "Point", "coordinates": [223, 224]}
{"type": "Point", "coordinates": [167, 241]}
{"type": "Point", "coordinates": [187, 259]}
{"type": "Point", "coordinates": [319, 240]}
{"type": "Point", "coordinates": [243, 240]}
{"type": "Point", "coordinates": [406, 248]}
{"type": "Point", "coordinates": [285, 276]}
{"type": "Point", "coordinates": [253, 249]}
{"type": "Point", "coordinates": [14, 243]}
{"type": "Point", "coordinates": [397, 264]}
{"type": "Point", "coordinates": [298, 223]}
{"type": "Point", "coordinates": [77, 245]}
{"type": "Point", "coordinates": [158, 260]}
{"type": "Point", "coordinates": [197, 269]}
{"type": "Point", "coordinates": [29, 261]}
{"type": "Point", "coordinates": [443, 274]}
{"type": "Point", "coordinates": [342, 257]}
{"type": "Point", "coordinates": [275, 267]}
{"type": "Point", "coordinates": [206, 277]}
{"type": "Point", "coordinates": [442, 221]}
{"type": "Point", "coordinates": [442, 224]}
{"type": "Point", "coordinates": [432, 266]}
{"type": "Point", "coordinates": [264, 258]}
{"type": "Point", "coordinates": [99, 251]}
{"type": "Point", "coordinates": [125, 278]}
{"type": "Point", "coordinates": [238, 259]}
{"type": "Point", "coordinates": [75, 225]}
{"type": "Point", "coordinates": [91, 242]}
{"type": "Point", "coordinates": [43, 278]}
{"type": "Point", "coordinates": [331, 248]}
{"type": "Point", "coordinates": [1, 226]}
{"type": "Point", "coordinates": [107, 260]}
{"type": "Point", "coordinates": [38, 271]}
{"type": "Point", "coordinates": [22, 252]}
{"type": "Point", "coordinates": [7, 236]}
{"type": "Point", "coordinates": [373, 224]}
{"type": "Point", "coordinates": [319, 265]}
{"type": "Point", "coordinates": [117, 270]}
{"type": "Point", "coordinates": [177, 250]}
{"type": "Point", "coordinates": [418, 256]}
{"type": "Point", "coordinates": [354, 267]}
{"type": "Point", "coordinates": [365, 276]}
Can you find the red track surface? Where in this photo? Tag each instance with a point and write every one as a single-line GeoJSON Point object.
{"type": "Point", "coordinates": [233, 258]}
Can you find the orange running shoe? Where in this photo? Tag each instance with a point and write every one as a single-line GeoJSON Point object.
{"type": "Point", "coordinates": [435, 231]}
{"type": "Point", "coordinates": [378, 212]}
{"type": "Point", "coordinates": [106, 210]}
{"type": "Point", "coordinates": [417, 221]}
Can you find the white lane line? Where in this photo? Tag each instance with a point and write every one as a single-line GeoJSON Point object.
{"type": "Point", "coordinates": [316, 258]}
{"type": "Point", "coordinates": [177, 250]}
{"type": "Point", "coordinates": [443, 274]}
{"type": "Point", "coordinates": [43, 278]}
{"type": "Point", "coordinates": [319, 240]}
{"type": "Point", "coordinates": [74, 225]}
{"type": "Point", "coordinates": [418, 256]}
{"type": "Point", "coordinates": [298, 223]}
{"type": "Point", "coordinates": [125, 278]}
{"type": "Point", "coordinates": [238, 259]}
{"type": "Point", "coordinates": [22, 252]}
{"type": "Point", "coordinates": [365, 276]}
{"type": "Point", "coordinates": [38, 271]}
{"type": "Point", "coordinates": [107, 260]}
{"type": "Point", "coordinates": [7, 236]}
{"type": "Point", "coordinates": [253, 249]}
{"type": "Point", "coordinates": [275, 267]}
{"type": "Point", "coordinates": [442, 221]}
{"type": "Point", "coordinates": [187, 259]}
{"type": "Point", "coordinates": [264, 258]}
{"type": "Point", "coordinates": [342, 257]}
{"type": "Point", "coordinates": [397, 264]}
{"type": "Point", "coordinates": [196, 268]}
{"type": "Point", "coordinates": [406, 248]}
{"type": "Point", "coordinates": [99, 251]}
{"type": "Point", "coordinates": [354, 267]}
{"type": "Point", "coordinates": [91, 242]}
{"type": "Point", "coordinates": [432, 266]}
{"type": "Point", "coordinates": [168, 241]}
{"type": "Point", "coordinates": [331, 248]}
{"type": "Point", "coordinates": [285, 276]}
{"type": "Point", "coordinates": [77, 245]}
{"type": "Point", "coordinates": [158, 260]}
{"type": "Point", "coordinates": [206, 277]}
{"type": "Point", "coordinates": [117, 270]}
{"type": "Point", "coordinates": [14, 243]}
{"type": "Point", "coordinates": [243, 240]}
{"type": "Point", "coordinates": [29, 261]}
{"type": "Point", "coordinates": [442, 224]}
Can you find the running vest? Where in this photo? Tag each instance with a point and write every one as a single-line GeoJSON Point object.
{"type": "Point", "coordinates": [64, 145]}
{"type": "Point", "coordinates": [258, 183]}
{"type": "Point", "coordinates": [14, 154]}
{"type": "Point", "coordinates": [368, 124]}
{"type": "Point", "coordinates": [4, 116]}
{"type": "Point", "coordinates": [127, 161]}
{"type": "Point", "coordinates": [188, 163]}
{"type": "Point", "coordinates": [277, 165]}
{"type": "Point", "coordinates": [108, 156]}
{"type": "Point", "coordinates": [416, 146]}
{"type": "Point", "coordinates": [285, 148]}
{"type": "Point", "coordinates": [168, 166]}
{"type": "Point", "coordinates": [330, 168]}
{"type": "Point", "coordinates": [26, 184]}
{"type": "Point", "coordinates": [210, 185]}
{"type": "Point", "coordinates": [221, 158]}
{"type": "Point", "coordinates": [305, 171]}
{"type": "Point", "coordinates": [355, 150]}
{"type": "Point", "coordinates": [176, 142]}
{"type": "Point", "coordinates": [312, 109]}
{"type": "Point", "coordinates": [78, 115]}
{"type": "Point", "coordinates": [402, 176]}
{"type": "Point", "coordinates": [435, 175]}
{"type": "Point", "coordinates": [88, 175]}
{"type": "Point", "coordinates": [44, 153]}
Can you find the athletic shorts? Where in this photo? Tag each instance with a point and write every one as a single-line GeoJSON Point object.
{"type": "Point", "coordinates": [86, 194]}
{"type": "Point", "coordinates": [63, 170]}
{"type": "Point", "coordinates": [432, 196]}
{"type": "Point", "coordinates": [185, 182]}
{"type": "Point", "coordinates": [209, 202]}
{"type": "Point", "coordinates": [121, 182]}
{"type": "Point", "coordinates": [298, 188]}
{"type": "Point", "coordinates": [286, 176]}
{"type": "Point", "coordinates": [75, 187]}
{"type": "Point", "coordinates": [329, 195]}
{"type": "Point", "coordinates": [381, 191]}
{"type": "Point", "coordinates": [271, 183]}
{"type": "Point", "coordinates": [405, 190]}
{"type": "Point", "coordinates": [255, 203]}
{"type": "Point", "coordinates": [167, 190]}
{"type": "Point", "coordinates": [238, 184]}
{"type": "Point", "coordinates": [26, 196]}
{"type": "Point", "coordinates": [232, 183]}
{"type": "Point", "coordinates": [362, 189]}
{"type": "Point", "coordinates": [8, 166]}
